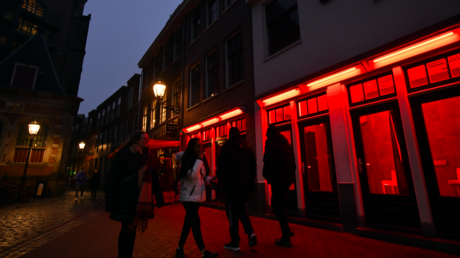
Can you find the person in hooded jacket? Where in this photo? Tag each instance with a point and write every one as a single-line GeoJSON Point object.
{"type": "Point", "coordinates": [80, 179]}
{"type": "Point", "coordinates": [279, 171]}
{"type": "Point", "coordinates": [95, 182]}
{"type": "Point", "coordinates": [192, 176]}
{"type": "Point", "coordinates": [236, 170]}
{"type": "Point", "coordinates": [131, 183]}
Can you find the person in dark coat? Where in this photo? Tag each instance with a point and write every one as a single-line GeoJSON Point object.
{"type": "Point", "coordinates": [131, 174]}
{"type": "Point", "coordinates": [236, 171]}
{"type": "Point", "coordinates": [95, 182]}
{"type": "Point", "coordinates": [80, 180]}
{"type": "Point", "coordinates": [279, 171]}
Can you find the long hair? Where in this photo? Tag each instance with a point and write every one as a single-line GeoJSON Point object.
{"type": "Point", "coordinates": [189, 158]}
{"type": "Point", "coordinates": [133, 139]}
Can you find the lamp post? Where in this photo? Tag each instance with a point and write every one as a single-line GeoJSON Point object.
{"type": "Point", "coordinates": [33, 131]}
{"type": "Point", "coordinates": [159, 89]}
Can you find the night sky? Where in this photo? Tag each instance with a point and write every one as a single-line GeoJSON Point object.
{"type": "Point", "coordinates": [120, 32]}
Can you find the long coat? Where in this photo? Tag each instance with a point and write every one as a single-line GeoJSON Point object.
{"type": "Point", "coordinates": [279, 161]}
{"type": "Point", "coordinates": [236, 169]}
{"type": "Point", "coordinates": [122, 185]}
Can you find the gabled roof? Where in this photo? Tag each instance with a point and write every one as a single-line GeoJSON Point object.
{"type": "Point", "coordinates": [33, 52]}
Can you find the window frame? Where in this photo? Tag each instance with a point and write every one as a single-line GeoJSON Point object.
{"type": "Point", "coordinates": [227, 62]}
{"type": "Point", "coordinates": [191, 104]}
{"type": "Point", "coordinates": [175, 96]}
{"type": "Point", "coordinates": [209, 12]}
{"type": "Point", "coordinates": [214, 69]}
{"type": "Point", "coordinates": [194, 28]}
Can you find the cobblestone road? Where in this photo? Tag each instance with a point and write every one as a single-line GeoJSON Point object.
{"type": "Point", "coordinates": [24, 225]}
{"type": "Point", "coordinates": [97, 237]}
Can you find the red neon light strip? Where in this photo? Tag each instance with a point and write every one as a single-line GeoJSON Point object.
{"type": "Point", "coordinates": [193, 128]}
{"type": "Point", "coordinates": [214, 120]}
{"type": "Point", "coordinates": [231, 114]}
{"type": "Point", "coordinates": [331, 77]}
{"type": "Point", "coordinates": [413, 47]}
{"type": "Point", "coordinates": [210, 122]}
{"type": "Point", "coordinates": [280, 96]}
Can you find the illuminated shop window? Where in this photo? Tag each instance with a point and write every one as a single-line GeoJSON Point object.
{"type": "Point", "coordinates": [442, 120]}
{"type": "Point", "coordinates": [313, 106]}
{"type": "Point", "coordinates": [27, 27]}
{"type": "Point", "coordinates": [144, 119]}
{"type": "Point", "coordinates": [206, 135]}
{"type": "Point", "coordinates": [152, 114]}
{"type": "Point", "coordinates": [33, 7]}
{"type": "Point", "coordinates": [382, 154]}
{"type": "Point", "coordinates": [372, 88]}
{"type": "Point", "coordinates": [240, 124]}
{"type": "Point", "coordinates": [279, 115]}
{"type": "Point", "coordinates": [221, 131]}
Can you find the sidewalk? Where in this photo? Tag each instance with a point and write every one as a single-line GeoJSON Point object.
{"type": "Point", "coordinates": [22, 224]}
{"type": "Point", "coordinates": [97, 237]}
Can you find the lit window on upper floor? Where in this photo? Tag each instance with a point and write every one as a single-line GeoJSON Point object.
{"type": "Point", "coordinates": [282, 21]}
{"type": "Point", "coordinates": [33, 7]}
{"type": "Point", "coordinates": [27, 27]}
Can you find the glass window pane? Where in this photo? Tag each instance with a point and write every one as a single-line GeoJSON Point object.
{"type": "Point", "coordinates": [271, 117]}
{"type": "Point", "coordinates": [312, 106]}
{"type": "Point", "coordinates": [386, 85]}
{"type": "Point", "coordinates": [442, 121]}
{"type": "Point", "coordinates": [382, 155]}
{"type": "Point", "coordinates": [437, 70]}
{"type": "Point", "coordinates": [454, 65]}
{"type": "Point", "coordinates": [370, 89]}
{"type": "Point", "coordinates": [322, 103]}
{"type": "Point", "coordinates": [287, 113]}
{"type": "Point", "coordinates": [417, 76]}
{"type": "Point", "coordinates": [279, 115]}
{"type": "Point", "coordinates": [303, 110]}
{"type": "Point", "coordinates": [318, 158]}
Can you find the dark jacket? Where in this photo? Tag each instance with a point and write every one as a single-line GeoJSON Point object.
{"type": "Point", "coordinates": [279, 161]}
{"type": "Point", "coordinates": [80, 178]}
{"type": "Point", "coordinates": [236, 168]}
{"type": "Point", "coordinates": [95, 180]}
{"type": "Point", "coordinates": [122, 187]}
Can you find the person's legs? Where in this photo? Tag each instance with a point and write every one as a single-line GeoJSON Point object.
{"type": "Point", "coordinates": [76, 192]}
{"type": "Point", "coordinates": [186, 227]}
{"type": "Point", "coordinates": [81, 188]}
{"type": "Point", "coordinates": [232, 214]}
{"type": "Point", "coordinates": [192, 210]}
{"type": "Point", "coordinates": [243, 215]}
{"type": "Point", "coordinates": [279, 208]}
{"type": "Point", "coordinates": [126, 241]}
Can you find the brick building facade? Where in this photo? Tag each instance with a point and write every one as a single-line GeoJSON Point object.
{"type": "Point", "coordinates": [42, 45]}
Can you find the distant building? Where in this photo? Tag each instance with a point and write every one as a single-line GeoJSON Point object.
{"type": "Point", "coordinates": [42, 46]}
{"type": "Point", "coordinates": [105, 129]}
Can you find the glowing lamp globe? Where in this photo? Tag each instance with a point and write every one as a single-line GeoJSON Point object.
{"type": "Point", "coordinates": [81, 145]}
{"type": "Point", "coordinates": [33, 128]}
{"type": "Point", "coordinates": [159, 89]}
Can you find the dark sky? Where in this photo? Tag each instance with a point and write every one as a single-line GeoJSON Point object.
{"type": "Point", "coordinates": [120, 32]}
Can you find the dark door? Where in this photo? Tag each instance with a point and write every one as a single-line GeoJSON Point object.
{"type": "Point", "coordinates": [319, 181]}
{"type": "Point", "coordinates": [220, 194]}
{"type": "Point", "coordinates": [384, 170]}
{"type": "Point", "coordinates": [291, 198]}
{"type": "Point", "coordinates": [437, 122]}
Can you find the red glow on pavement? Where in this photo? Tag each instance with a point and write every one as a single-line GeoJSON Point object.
{"type": "Point", "coordinates": [416, 49]}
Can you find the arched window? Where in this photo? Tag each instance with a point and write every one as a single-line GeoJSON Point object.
{"type": "Point", "coordinates": [38, 144]}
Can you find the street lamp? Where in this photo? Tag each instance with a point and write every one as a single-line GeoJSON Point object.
{"type": "Point", "coordinates": [34, 127]}
{"type": "Point", "coordinates": [159, 89]}
{"type": "Point", "coordinates": [82, 145]}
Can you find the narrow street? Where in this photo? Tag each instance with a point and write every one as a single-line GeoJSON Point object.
{"type": "Point", "coordinates": [60, 227]}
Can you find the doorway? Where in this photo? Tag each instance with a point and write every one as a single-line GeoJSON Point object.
{"type": "Point", "coordinates": [318, 169]}
{"type": "Point", "coordinates": [384, 170]}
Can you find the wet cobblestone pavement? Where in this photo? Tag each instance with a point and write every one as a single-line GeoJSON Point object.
{"type": "Point", "coordinates": [25, 226]}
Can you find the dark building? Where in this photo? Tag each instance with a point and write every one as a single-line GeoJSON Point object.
{"type": "Point", "coordinates": [204, 57]}
{"type": "Point", "coordinates": [105, 129]}
{"type": "Point", "coordinates": [42, 46]}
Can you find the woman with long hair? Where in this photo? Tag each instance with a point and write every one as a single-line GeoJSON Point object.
{"type": "Point", "coordinates": [192, 176]}
{"type": "Point", "coordinates": [131, 182]}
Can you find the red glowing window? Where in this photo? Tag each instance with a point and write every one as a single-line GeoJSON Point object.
{"type": "Point", "coordinates": [386, 85]}
{"type": "Point", "coordinates": [454, 65]}
{"type": "Point", "coordinates": [322, 103]}
{"type": "Point", "coordinates": [442, 121]}
{"type": "Point", "coordinates": [240, 124]}
{"type": "Point", "coordinates": [221, 131]}
{"type": "Point", "coordinates": [279, 115]}
{"type": "Point", "coordinates": [312, 106]}
{"type": "Point", "coordinates": [357, 93]}
{"type": "Point", "coordinates": [207, 135]}
{"type": "Point", "coordinates": [417, 76]}
{"type": "Point", "coordinates": [303, 110]}
{"type": "Point", "coordinates": [437, 70]}
{"type": "Point", "coordinates": [20, 155]}
{"type": "Point", "coordinates": [370, 89]}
